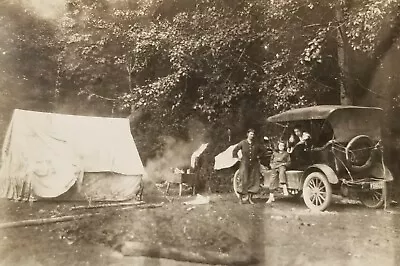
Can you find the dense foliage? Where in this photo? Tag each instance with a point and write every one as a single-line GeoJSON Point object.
{"type": "Point", "coordinates": [166, 63]}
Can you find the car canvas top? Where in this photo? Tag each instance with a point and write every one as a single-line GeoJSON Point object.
{"type": "Point", "coordinates": [316, 112]}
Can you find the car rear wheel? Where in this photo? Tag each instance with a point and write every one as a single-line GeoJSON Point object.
{"type": "Point", "coordinates": [374, 198]}
{"type": "Point", "coordinates": [317, 192]}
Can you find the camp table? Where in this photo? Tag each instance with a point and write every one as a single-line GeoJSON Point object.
{"type": "Point", "coordinates": [180, 178]}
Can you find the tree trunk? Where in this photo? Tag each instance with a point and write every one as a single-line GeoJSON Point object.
{"type": "Point", "coordinates": [57, 87]}
{"type": "Point", "coordinates": [129, 69]}
{"type": "Point", "coordinates": [346, 91]}
{"type": "Point", "coordinates": [385, 44]}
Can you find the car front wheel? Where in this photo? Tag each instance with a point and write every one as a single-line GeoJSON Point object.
{"type": "Point", "coordinates": [235, 183]}
{"type": "Point", "coordinates": [317, 192]}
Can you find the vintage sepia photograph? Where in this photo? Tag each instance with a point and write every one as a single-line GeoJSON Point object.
{"type": "Point", "coordinates": [199, 132]}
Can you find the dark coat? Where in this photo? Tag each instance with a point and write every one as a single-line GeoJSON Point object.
{"type": "Point", "coordinates": [249, 171]}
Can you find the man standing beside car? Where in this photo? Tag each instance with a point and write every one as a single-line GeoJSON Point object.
{"type": "Point", "coordinates": [249, 171]}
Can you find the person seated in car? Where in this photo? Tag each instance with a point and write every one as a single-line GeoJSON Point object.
{"type": "Point", "coordinates": [304, 137]}
{"type": "Point", "coordinates": [299, 143]}
{"type": "Point", "coordinates": [292, 141]}
{"type": "Point", "coordinates": [280, 159]}
{"type": "Point", "coordinates": [299, 137]}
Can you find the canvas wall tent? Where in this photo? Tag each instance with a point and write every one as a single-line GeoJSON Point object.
{"type": "Point", "coordinates": [51, 155]}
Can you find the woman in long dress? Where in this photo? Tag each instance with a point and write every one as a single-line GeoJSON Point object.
{"type": "Point", "coordinates": [249, 172]}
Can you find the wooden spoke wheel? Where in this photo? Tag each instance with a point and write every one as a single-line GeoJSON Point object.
{"type": "Point", "coordinates": [317, 192]}
{"type": "Point", "coordinates": [235, 183]}
{"type": "Point", "coordinates": [374, 198]}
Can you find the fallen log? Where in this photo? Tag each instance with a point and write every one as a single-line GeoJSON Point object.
{"type": "Point", "coordinates": [207, 257]}
{"type": "Point", "coordinates": [46, 220]}
{"type": "Point", "coordinates": [107, 205]}
{"type": "Point", "coordinates": [144, 206]}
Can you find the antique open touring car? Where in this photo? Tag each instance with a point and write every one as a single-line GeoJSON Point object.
{"type": "Point", "coordinates": [345, 156]}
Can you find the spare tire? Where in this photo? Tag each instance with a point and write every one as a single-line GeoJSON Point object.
{"type": "Point", "coordinates": [359, 153]}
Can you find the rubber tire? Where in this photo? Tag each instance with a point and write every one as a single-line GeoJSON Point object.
{"type": "Point", "coordinates": [295, 193]}
{"type": "Point", "coordinates": [368, 163]}
{"type": "Point", "coordinates": [307, 193]}
{"type": "Point", "coordinates": [378, 204]}
{"type": "Point", "coordinates": [235, 184]}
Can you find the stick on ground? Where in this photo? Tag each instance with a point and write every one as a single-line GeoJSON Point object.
{"type": "Point", "coordinates": [45, 220]}
{"type": "Point", "coordinates": [144, 206]}
{"type": "Point", "coordinates": [107, 205]}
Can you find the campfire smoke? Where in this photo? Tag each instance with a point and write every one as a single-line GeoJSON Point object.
{"type": "Point", "coordinates": [176, 154]}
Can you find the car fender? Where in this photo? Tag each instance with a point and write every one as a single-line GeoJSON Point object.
{"type": "Point", "coordinates": [388, 176]}
{"type": "Point", "coordinates": [380, 170]}
{"type": "Point", "coordinates": [325, 169]}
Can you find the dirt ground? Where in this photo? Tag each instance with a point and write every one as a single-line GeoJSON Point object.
{"type": "Point", "coordinates": [284, 233]}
